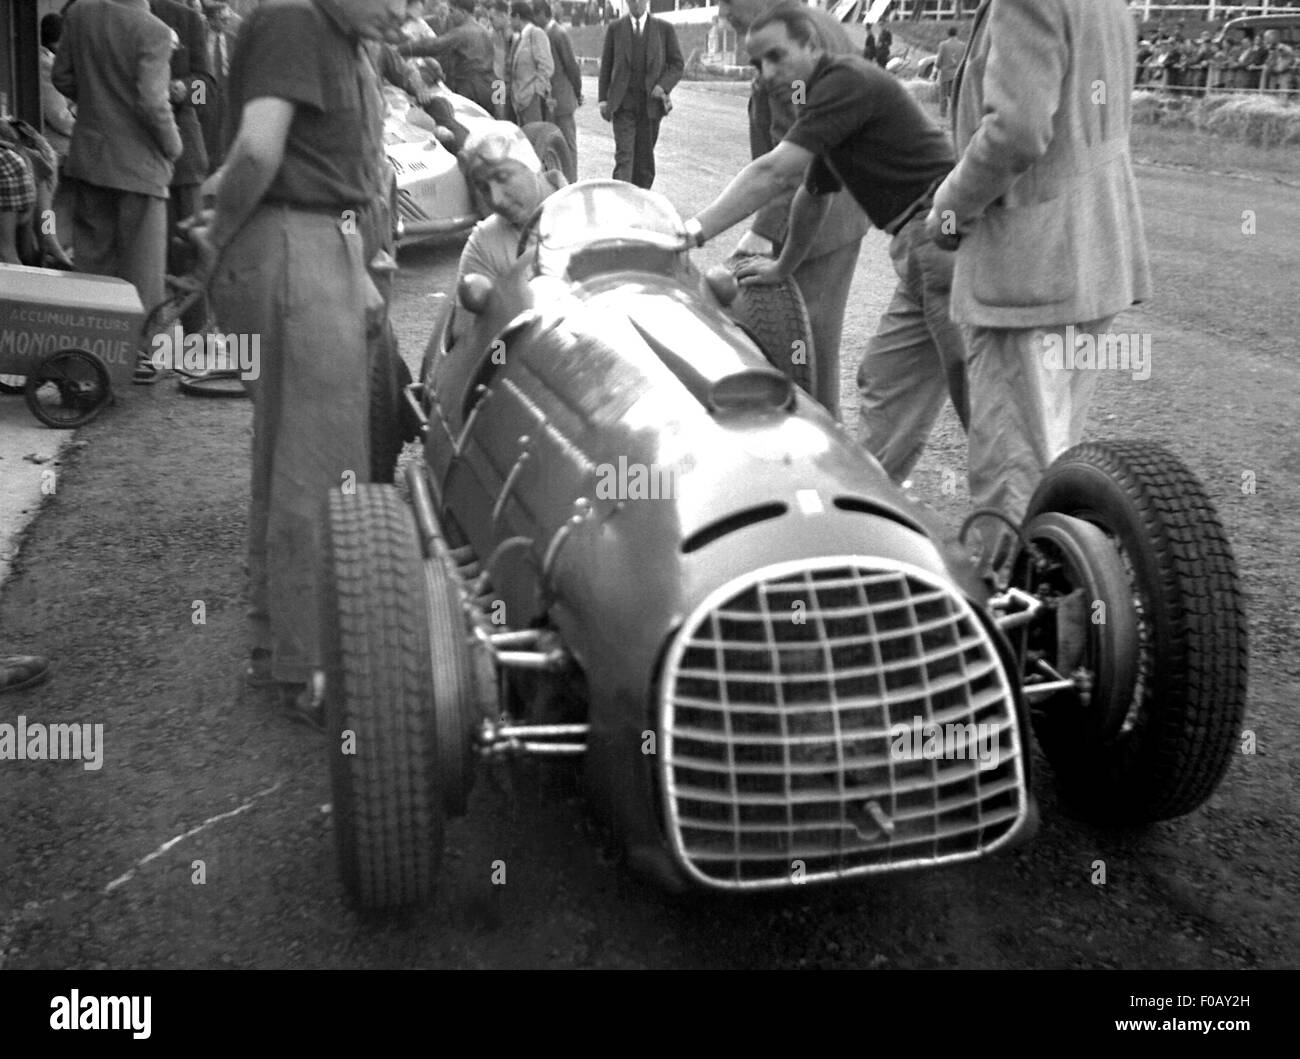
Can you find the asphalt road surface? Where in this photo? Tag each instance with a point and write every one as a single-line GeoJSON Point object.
{"type": "Point", "coordinates": [205, 840]}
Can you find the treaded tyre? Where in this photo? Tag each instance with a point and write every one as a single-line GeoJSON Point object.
{"type": "Point", "coordinates": [552, 149]}
{"type": "Point", "coordinates": [776, 318]}
{"type": "Point", "coordinates": [68, 389]}
{"type": "Point", "coordinates": [1162, 754]}
{"type": "Point", "coordinates": [380, 681]}
{"type": "Point", "coordinates": [392, 423]}
{"type": "Point", "coordinates": [453, 682]}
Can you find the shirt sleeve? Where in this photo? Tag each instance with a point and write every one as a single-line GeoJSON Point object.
{"type": "Point", "coordinates": [838, 105]}
{"type": "Point", "coordinates": [277, 59]}
{"type": "Point", "coordinates": [819, 179]}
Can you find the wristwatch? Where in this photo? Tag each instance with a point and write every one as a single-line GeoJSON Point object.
{"type": "Point", "coordinates": [695, 230]}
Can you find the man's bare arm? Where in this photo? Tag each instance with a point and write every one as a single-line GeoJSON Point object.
{"type": "Point", "coordinates": [779, 171]}
{"type": "Point", "coordinates": [251, 165]}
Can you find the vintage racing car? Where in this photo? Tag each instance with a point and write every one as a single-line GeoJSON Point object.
{"type": "Point", "coordinates": [633, 540]}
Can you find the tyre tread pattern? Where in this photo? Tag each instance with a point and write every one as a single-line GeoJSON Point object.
{"type": "Point", "coordinates": [1199, 635]}
{"type": "Point", "coordinates": [387, 801]}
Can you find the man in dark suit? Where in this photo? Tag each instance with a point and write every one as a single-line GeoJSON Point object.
{"type": "Point", "coordinates": [566, 82]}
{"type": "Point", "coordinates": [113, 61]}
{"type": "Point", "coordinates": [640, 64]}
{"type": "Point", "coordinates": [191, 87]}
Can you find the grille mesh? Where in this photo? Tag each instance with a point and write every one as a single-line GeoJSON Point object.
{"type": "Point", "coordinates": [781, 758]}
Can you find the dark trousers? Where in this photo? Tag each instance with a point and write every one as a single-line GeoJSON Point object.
{"type": "Point", "coordinates": [635, 135]}
{"type": "Point", "coordinates": [123, 234]}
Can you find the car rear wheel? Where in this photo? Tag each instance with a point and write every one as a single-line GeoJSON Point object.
{"type": "Point", "coordinates": [551, 147]}
{"type": "Point", "coordinates": [1151, 742]}
{"type": "Point", "coordinates": [381, 681]}
{"type": "Point", "coordinates": [389, 426]}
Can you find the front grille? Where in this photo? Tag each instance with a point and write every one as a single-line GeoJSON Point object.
{"type": "Point", "coordinates": [407, 208]}
{"type": "Point", "coordinates": [782, 760]}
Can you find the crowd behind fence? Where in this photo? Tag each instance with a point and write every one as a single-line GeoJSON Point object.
{"type": "Point", "coordinates": [1236, 62]}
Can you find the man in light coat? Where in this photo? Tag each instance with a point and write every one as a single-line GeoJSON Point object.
{"type": "Point", "coordinates": [531, 65]}
{"type": "Point", "coordinates": [1042, 209]}
{"type": "Point", "coordinates": [114, 63]}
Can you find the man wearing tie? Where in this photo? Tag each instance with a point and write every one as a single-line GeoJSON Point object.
{"type": "Point", "coordinates": [640, 64]}
{"type": "Point", "coordinates": [223, 28]}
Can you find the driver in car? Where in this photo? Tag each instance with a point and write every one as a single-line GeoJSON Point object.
{"type": "Point", "coordinates": [505, 171]}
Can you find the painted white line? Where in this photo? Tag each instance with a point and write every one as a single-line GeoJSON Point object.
{"type": "Point", "coordinates": [188, 834]}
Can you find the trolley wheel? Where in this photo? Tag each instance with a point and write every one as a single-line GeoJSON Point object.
{"type": "Point", "coordinates": [68, 389]}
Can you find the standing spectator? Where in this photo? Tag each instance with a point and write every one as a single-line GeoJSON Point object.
{"type": "Point", "coordinates": [1198, 65]}
{"type": "Point", "coordinates": [17, 200]}
{"type": "Point", "coordinates": [502, 41]}
{"type": "Point", "coordinates": [191, 81]}
{"type": "Point", "coordinates": [640, 64]}
{"type": "Point", "coordinates": [869, 46]}
{"type": "Point", "coordinates": [884, 45]}
{"type": "Point", "coordinates": [1145, 48]}
{"type": "Point", "coordinates": [1279, 65]}
{"type": "Point", "coordinates": [1219, 74]}
{"type": "Point", "coordinates": [113, 62]}
{"type": "Point", "coordinates": [861, 131]}
{"type": "Point", "coordinates": [1042, 209]}
{"type": "Point", "coordinates": [223, 29]}
{"type": "Point", "coordinates": [286, 248]}
{"type": "Point", "coordinates": [55, 113]}
{"type": "Point", "coordinates": [949, 58]}
{"type": "Point", "coordinates": [566, 83]}
{"type": "Point", "coordinates": [37, 227]}
{"type": "Point", "coordinates": [826, 271]}
{"type": "Point", "coordinates": [1248, 70]}
{"type": "Point", "coordinates": [531, 65]}
{"type": "Point", "coordinates": [1176, 62]}
{"type": "Point", "coordinates": [465, 52]}
{"type": "Point", "coordinates": [416, 28]}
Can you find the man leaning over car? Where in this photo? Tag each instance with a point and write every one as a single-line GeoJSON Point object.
{"type": "Point", "coordinates": [825, 274]}
{"type": "Point", "coordinates": [859, 129]}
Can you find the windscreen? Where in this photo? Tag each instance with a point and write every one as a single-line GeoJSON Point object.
{"type": "Point", "coordinates": [605, 213]}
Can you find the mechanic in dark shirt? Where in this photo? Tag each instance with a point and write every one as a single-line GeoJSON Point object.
{"type": "Point", "coordinates": [287, 261]}
{"type": "Point", "coordinates": [465, 52]}
{"type": "Point", "coordinates": [859, 129]}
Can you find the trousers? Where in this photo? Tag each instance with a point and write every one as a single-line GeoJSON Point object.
{"type": "Point", "coordinates": [297, 280]}
{"type": "Point", "coordinates": [824, 282]}
{"type": "Point", "coordinates": [916, 359]}
{"type": "Point", "coordinates": [122, 234]}
{"type": "Point", "coordinates": [635, 136]}
{"type": "Point", "coordinates": [1026, 410]}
